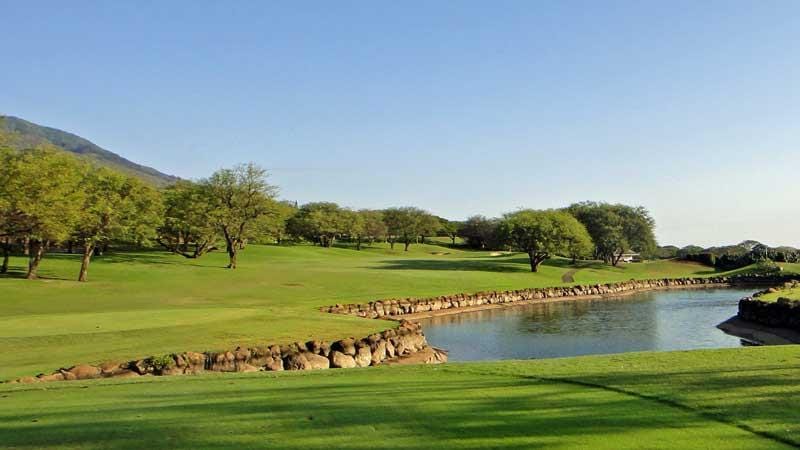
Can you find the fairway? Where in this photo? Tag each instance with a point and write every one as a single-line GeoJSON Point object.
{"type": "Point", "coordinates": [726, 399]}
{"type": "Point", "coordinates": [152, 303]}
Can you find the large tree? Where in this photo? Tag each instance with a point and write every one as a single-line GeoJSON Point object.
{"type": "Point", "coordinates": [407, 224]}
{"type": "Point", "coordinates": [374, 226]}
{"type": "Point", "coordinates": [42, 199]}
{"type": "Point", "coordinates": [480, 232]}
{"type": "Point", "coordinates": [320, 222]}
{"type": "Point", "coordinates": [616, 229]}
{"type": "Point", "coordinates": [116, 207]}
{"type": "Point", "coordinates": [188, 229]}
{"type": "Point", "coordinates": [542, 234]}
{"type": "Point", "coordinates": [240, 196]}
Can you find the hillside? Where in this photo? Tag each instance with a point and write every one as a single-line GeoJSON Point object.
{"type": "Point", "coordinates": [27, 134]}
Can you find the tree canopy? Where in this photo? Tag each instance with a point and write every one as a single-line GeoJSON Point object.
{"type": "Point", "coordinates": [543, 234]}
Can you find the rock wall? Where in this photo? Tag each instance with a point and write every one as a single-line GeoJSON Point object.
{"type": "Point", "coordinates": [782, 313]}
{"type": "Point", "coordinates": [404, 344]}
{"type": "Point", "coordinates": [399, 307]}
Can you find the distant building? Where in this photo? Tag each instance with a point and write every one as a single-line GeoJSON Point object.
{"type": "Point", "coordinates": [631, 257]}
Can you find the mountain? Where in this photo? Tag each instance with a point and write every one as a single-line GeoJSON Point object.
{"type": "Point", "coordinates": [27, 134]}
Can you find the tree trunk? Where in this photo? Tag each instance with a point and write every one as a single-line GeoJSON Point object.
{"type": "Point", "coordinates": [26, 246]}
{"type": "Point", "coordinates": [88, 250]}
{"type": "Point", "coordinates": [453, 238]}
{"type": "Point", "coordinates": [408, 243]}
{"type": "Point", "coordinates": [35, 258]}
{"type": "Point", "coordinates": [536, 260]}
{"type": "Point", "coordinates": [70, 247]}
{"type": "Point", "coordinates": [391, 244]}
{"type": "Point", "coordinates": [6, 253]}
{"type": "Point", "coordinates": [232, 250]}
{"type": "Point", "coordinates": [358, 243]}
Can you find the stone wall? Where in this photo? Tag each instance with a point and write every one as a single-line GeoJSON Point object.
{"type": "Point", "coordinates": [782, 313]}
{"type": "Point", "coordinates": [406, 342]}
{"type": "Point", "coordinates": [399, 307]}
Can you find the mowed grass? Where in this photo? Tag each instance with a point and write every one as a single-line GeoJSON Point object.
{"type": "Point", "coordinates": [719, 399]}
{"type": "Point", "coordinates": [152, 303]}
{"type": "Point", "coordinates": [791, 294]}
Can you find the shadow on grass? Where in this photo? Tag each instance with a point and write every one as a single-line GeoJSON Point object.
{"type": "Point", "coordinates": [445, 412]}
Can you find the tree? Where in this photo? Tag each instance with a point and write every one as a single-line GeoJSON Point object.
{"type": "Point", "coordinates": [616, 229]}
{"type": "Point", "coordinates": [115, 207]}
{"type": "Point", "coordinates": [353, 226]}
{"type": "Point", "coordinates": [42, 199]}
{"type": "Point", "coordinates": [240, 196]}
{"type": "Point", "coordinates": [319, 222]}
{"type": "Point", "coordinates": [188, 228]}
{"type": "Point", "coordinates": [273, 226]}
{"type": "Point", "coordinates": [542, 234]}
{"type": "Point", "coordinates": [406, 224]}
{"type": "Point", "coordinates": [480, 232]}
{"type": "Point", "coordinates": [450, 228]}
{"type": "Point", "coordinates": [374, 226]}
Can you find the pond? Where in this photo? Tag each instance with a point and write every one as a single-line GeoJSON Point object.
{"type": "Point", "coordinates": [655, 320]}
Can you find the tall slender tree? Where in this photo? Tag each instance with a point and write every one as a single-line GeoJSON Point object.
{"type": "Point", "coordinates": [240, 196]}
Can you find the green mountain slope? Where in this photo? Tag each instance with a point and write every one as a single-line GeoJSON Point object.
{"type": "Point", "coordinates": [27, 134]}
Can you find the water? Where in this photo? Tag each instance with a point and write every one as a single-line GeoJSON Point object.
{"type": "Point", "coordinates": [656, 320]}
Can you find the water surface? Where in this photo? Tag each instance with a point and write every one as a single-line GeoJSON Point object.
{"type": "Point", "coordinates": [656, 320]}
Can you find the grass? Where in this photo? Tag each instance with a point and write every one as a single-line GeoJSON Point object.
{"type": "Point", "coordinates": [791, 294]}
{"type": "Point", "coordinates": [719, 399]}
{"type": "Point", "coordinates": [140, 304]}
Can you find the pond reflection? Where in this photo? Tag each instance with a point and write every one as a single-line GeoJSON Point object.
{"type": "Point", "coordinates": [657, 320]}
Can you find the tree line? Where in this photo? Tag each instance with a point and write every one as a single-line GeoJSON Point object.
{"type": "Point", "coordinates": [49, 198]}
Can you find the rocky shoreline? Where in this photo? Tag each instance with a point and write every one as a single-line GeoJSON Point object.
{"type": "Point", "coordinates": [405, 344]}
{"type": "Point", "coordinates": [451, 304]}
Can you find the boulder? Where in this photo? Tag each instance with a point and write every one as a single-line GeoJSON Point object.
{"type": "Point", "coordinates": [363, 357]}
{"type": "Point", "coordinates": [295, 361]}
{"type": "Point", "coordinates": [273, 364]}
{"type": "Point", "coordinates": [340, 360]}
{"type": "Point", "coordinates": [244, 367]}
{"type": "Point", "coordinates": [317, 362]}
{"type": "Point", "coordinates": [378, 353]}
{"type": "Point", "coordinates": [84, 372]}
{"type": "Point", "coordinates": [346, 346]}
{"type": "Point", "coordinates": [52, 377]}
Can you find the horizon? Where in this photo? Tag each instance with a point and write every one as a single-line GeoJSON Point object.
{"type": "Point", "coordinates": [475, 110]}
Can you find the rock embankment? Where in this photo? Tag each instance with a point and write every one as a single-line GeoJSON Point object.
{"type": "Point", "coordinates": [400, 307]}
{"type": "Point", "coordinates": [782, 313]}
{"type": "Point", "coordinates": [405, 344]}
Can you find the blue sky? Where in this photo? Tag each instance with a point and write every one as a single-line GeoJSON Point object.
{"type": "Point", "coordinates": [688, 108]}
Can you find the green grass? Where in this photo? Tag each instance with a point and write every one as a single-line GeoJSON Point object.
{"type": "Point", "coordinates": [792, 294]}
{"type": "Point", "coordinates": [141, 304]}
{"type": "Point", "coordinates": [721, 399]}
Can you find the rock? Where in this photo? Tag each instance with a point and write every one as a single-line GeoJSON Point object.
{"type": "Point", "coordinates": [273, 364]}
{"type": "Point", "coordinates": [295, 361]}
{"type": "Point", "coordinates": [378, 353]}
{"type": "Point", "coordinates": [340, 360]}
{"type": "Point", "coordinates": [28, 380]}
{"type": "Point", "coordinates": [390, 350]}
{"type": "Point", "coordinates": [84, 372]}
{"type": "Point", "coordinates": [346, 346]}
{"type": "Point", "coordinates": [317, 362]}
{"type": "Point", "coordinates": [109, 368]}
{"type": "Point", "coordinates": [52, 377]}
{"type": "Point", "coordinates": [125, 373]}
{"type": "Point", "coordinates": [244, 367]}
{"type": "Point", "coordinates": [363, 357]}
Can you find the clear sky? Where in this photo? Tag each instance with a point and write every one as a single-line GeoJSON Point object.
{"type": "Point", "coordinates": [690, 108]}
